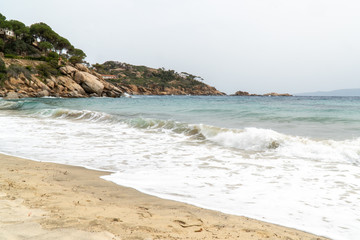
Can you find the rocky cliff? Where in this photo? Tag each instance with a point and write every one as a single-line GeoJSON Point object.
{"type": "Point", "coordinates": [74, 81]}
{"type": "Point", "coordinates": [79, 81]}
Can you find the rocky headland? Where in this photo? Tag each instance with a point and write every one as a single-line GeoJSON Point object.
{"type": "Point", "coordinates": [142, 80]}
{"type": "Point", "coordinates": [77, 80]}
{"type": "Point", "coordinates": [74, 81]}
{"type": "Point", "coordinates": [35, 61]}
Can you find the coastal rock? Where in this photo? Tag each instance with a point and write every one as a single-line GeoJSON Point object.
{"type": "Point", "coordinates": [43, 93]}
{"type": "Point", "coordinates": [16, 81]}
{"type": "Point", "coordinates": [50, 82]}
{"type": "Point", "coordinates": [241, 93]}
{"type": "Point", "coordinates": [110, 90]}
{"type": "Point", "coordinates": [12, 95]}
{"type": "Point", "coordinates": [68, 87]}
{"type": "Point", "coordinates": [68, 70]}
{"type": "Point", "coordinates": [74, 82]}
{"type": "Point", "coordinates": [89, 82]}
{"type": "Point", "coordinates": [96, 74]}
{"type": "Point", "coordinates": [81, 67]}
{"type": "Point", "coordinates": [93, 87]}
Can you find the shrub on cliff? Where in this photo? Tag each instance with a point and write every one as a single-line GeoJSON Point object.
{"type": "Point", "coordinates": [2, 66]}
{"type": "Point", "coordinates": [53, 59]}
{"type": "Point", "coordinates": [2, 72]}
{"type": "Point", "coordinates": [45, 70]}
{"type": "Point", "coordinates": [2, 44]}
{"type": "Point", "coordinates": [15, 70]}
{"type": "Point", "coordinates": [77, 55]}
{"type": "Point", "coordinates": [166, 75]}
{"type": "Point", "coordinates": [19, 47]}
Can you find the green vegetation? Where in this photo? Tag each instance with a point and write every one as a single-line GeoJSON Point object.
{"type": "Point", "coordinates": [45, 46]}
{"type": "Point", "coordinates": [2, 66]}
{"type": "Point", "coordinates": [15, 71]}
{"type": "Point", "coordinates": [37, 42]}
{"type": "Point", "coordinates": [76, 55]}
{"type": "Point", "coordinates": [2, 72]}
{"type": "Point", "coordinates": [147, 77]}
{"type": "Point", "coordinates": [45, 70]}
{"type": "Point", "coordinates": [2, 44]}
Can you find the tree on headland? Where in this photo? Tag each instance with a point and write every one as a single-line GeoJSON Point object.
{"type": "Point", "coordinates": [18, 28]}
{"type": "Point", "coordinates": [61, 43]}
{"type": "Point", "coordinates": [2, 18]}
{"type": "Point", "coordinates": [42, 32]}
{"type": "Point", "coordinates": [77, 55]}
{"type": "Point", "coordinates": [45, 46]}
{"type": "Point", "coordinates": [37, 41]}
{"type": "Point", "coordinates": [3, 22]}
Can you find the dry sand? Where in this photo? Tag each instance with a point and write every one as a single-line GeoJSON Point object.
{"type": "Point", "coordinates": [52, 201]}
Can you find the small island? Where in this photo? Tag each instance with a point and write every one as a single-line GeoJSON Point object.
{"type": "Point", "coordinates": [241, 93]}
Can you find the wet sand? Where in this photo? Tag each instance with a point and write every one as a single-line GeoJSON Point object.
{"type": "Point", "coordinates": [52, 201]}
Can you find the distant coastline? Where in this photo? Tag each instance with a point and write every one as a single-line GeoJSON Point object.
{"type": "Point", "coordinates": [354, 92]}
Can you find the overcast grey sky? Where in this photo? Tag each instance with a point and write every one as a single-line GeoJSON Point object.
{"type": "Point", "coordinates": [257, 46]}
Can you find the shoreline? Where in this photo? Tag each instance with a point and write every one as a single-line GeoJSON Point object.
{"type": "Point", "coordinates": [63, 198]}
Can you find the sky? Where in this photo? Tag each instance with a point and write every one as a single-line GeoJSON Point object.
{"type": "Point", "coordinates": [258, 46]}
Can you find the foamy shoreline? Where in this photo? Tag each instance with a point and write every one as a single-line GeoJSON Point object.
{"type": "Point", "coordinates": [60, 201]}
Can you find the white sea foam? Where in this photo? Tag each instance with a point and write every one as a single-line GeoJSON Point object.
{"type": "Point", "coordinates": [310, 184]}
{"type": "Point", "coordinates": [266, 141]}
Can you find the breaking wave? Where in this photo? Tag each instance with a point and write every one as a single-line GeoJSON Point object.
{"type": "Point", "coordinates": [256, 142]}
{"type": "Point", "coordinates": [85, 115]}
{"type": "Point", "coordinates": [9, 105]}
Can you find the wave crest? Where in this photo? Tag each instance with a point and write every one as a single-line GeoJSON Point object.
{"type": "Point", "coordinates": [256, 142]}
{"type": "Point", "coordinates": [260, 142]}
{"type": "Point", "coordinates": [75, 115]}
{"type": "Point", "coordinates": [10, 105]}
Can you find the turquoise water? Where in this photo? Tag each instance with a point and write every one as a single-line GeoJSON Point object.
{"type": "Point", "coordinates": [319, 117]}
{"type": "Point", "coordinates": [287, 160]}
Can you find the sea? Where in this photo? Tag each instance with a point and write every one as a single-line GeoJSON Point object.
{"type": "Point", "coordinates": [293, 161]}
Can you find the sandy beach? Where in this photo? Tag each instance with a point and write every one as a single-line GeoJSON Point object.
{"type": "Point", "coordinates": [52, 201]}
